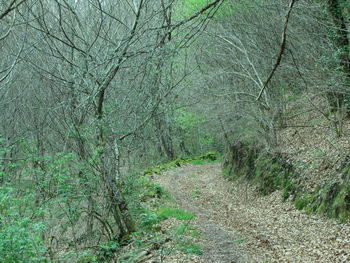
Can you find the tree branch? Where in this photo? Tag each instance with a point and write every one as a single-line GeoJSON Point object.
{"type": "Point", "coordinates": [11, 7]}
{"type": "Point", "coordinates": [282, 48]}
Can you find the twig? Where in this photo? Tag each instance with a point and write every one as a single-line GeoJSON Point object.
{"type": "Point", "coordinates": [282, 48]}
{"type": "Point", "coordinates": [11, 7]}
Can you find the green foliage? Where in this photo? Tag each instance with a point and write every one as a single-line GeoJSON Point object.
{"type": "Point", "coordinates": [189, 124]}
{"type": "Point", "coordinates": [206, 140]}
{"type": "Point", "coordinates": [188, 120]}
{"type": "Point", "coordinates": [179, 214]}
{"type": "Point", "coordinates": [289, 189]}
{"type": "Point", "coordinates": [58, 180]}
{"type": "Point", "coordinates": [302, 202]}
{"type": "Point", "coordinates": [193, 249]}
{"type": "Point", "coordinates": [107, 251]}
{"type": "Point", "coordinates": [212, 156]}
{"type": "Point", "coordinates": [186, 8]}
{"type": "Point", "coordinates": [182, 229]}
{"type": "Point", "coordinates": [139, 189]}
{"type": "Point", "coordinates": [199, 159]}
{"type": "Point", "coordinates": [227, 172]}
{"type": "Point", "coordinates": [151, 232]}
{"type": "Point", "coordinates": [20, 232]}
{"type": "Point", "coordinates": [149, 222]}
{"type": "Point", "coordinates": [154, 170]}
{"type": "Point", "coordinates": [198, 162]}
{"type": "Point", "coordinates": [87, 256]}
{"type": "Point", "coordinates": [208, 157]}
{"type": "Point", "coordinates": [184, 238]}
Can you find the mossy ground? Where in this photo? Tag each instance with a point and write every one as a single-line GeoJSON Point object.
{"type": "Point", "coordinates": [331, 199]}
{"type": "Point", "coordinates": [272, 172]}
{"type": "Point", "coordinates": [197, 160]}
{"type": "Point", "coordinates": [269, 172]}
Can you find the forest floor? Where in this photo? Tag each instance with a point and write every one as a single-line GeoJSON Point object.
{"type": "Point", "coordinates": [237, 225]}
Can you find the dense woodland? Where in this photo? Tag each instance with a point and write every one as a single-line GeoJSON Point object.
{"type": "Point", "coordinates": [98, 95]}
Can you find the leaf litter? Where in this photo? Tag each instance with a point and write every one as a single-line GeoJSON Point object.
{"type": "Point", "coordinates": [237, 225]}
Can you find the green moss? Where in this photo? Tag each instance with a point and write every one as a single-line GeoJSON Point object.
{"type": "Point", "coordinates": [151, 171]}
{"type": "Point", "coordinates": [197, 162]}
{"type": "Point", "coordinates": [199, 159]}
{"type": "Point", "coordinates": [271, 172]}
{"type": "Point", "coordinates": [321, 208]}
{"type": "Point", "coordinates": [331, 199]}
{"type": "Point", "coordinates": [208, 156]}
{"type": "Point", "coordinates": [341, 204]}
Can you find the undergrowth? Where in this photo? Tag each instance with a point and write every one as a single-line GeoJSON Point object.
{"type": "Point", "coordinates": [208, 157]}
{"type": "Point", "coordinates": [163, 228]}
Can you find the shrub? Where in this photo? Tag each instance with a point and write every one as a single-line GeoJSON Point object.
{"type": "Point", "coordinates": [20, 234]}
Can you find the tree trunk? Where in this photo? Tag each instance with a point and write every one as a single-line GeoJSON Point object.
{"type": "Point", "coordinates": [109, 169]}
{"type": "Point", "coordinates": [165, 137]}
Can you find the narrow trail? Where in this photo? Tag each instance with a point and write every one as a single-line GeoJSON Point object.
{"type": "Point", "coordinates": [238, 226]}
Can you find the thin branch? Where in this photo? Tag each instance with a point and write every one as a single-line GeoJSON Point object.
{"type": "Point", "coordinates": [282, 48]}
{"type": "Point", "coordinates": [198, 13]}
{"type": "Point", "coordinates": [11, 7]}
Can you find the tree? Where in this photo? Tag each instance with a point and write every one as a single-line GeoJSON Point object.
{"type": "Point", "coordinates": [95, 75]}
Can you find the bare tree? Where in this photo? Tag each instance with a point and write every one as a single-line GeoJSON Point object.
{"type": "Point", "coordinates": [95, 74]}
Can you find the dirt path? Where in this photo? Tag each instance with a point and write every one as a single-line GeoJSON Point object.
{"type": "Point", "coordinates": [238, 226]}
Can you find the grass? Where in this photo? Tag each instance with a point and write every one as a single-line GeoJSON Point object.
{"type": "Point", "coordinates": [239, 240]}
{"type": "Point", "coordinates": [196, 193]}
{"type": "Point", "coordinates": [187, 229]}
{"type": "Point", "coordinates": [193, 249]}
{"type": "Point", "coordinates": [179, 214]}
